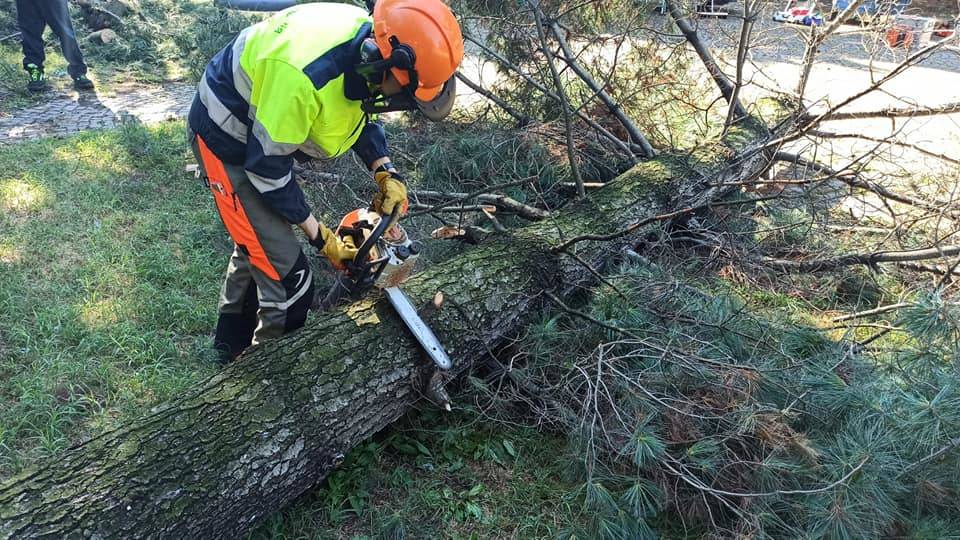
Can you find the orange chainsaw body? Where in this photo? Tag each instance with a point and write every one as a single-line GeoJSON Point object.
{"type": "Point", "coordinates": [395, 246]}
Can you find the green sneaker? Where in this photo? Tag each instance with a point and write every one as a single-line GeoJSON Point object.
{"type": "Point", "coordinates": [37, 83]}
{"type": "Point", "coordinates": [82, 83]}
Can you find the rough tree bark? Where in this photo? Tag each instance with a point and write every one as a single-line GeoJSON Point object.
{"type": "Point", "coordinates": [243, 444]}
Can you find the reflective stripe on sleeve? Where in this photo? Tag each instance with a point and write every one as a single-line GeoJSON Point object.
{"type": "Point", "coordinates": [241, 81]}
{"type": "Point", "coordinates": [220, 114]}
{"type": "Point", "coordinates": [265, 184]}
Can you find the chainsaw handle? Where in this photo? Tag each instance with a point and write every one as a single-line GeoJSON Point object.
{"type": "Point", "coordinates": [374, 237]}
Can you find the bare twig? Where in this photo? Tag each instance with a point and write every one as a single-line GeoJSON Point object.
{"type": "Point", "coordinates": [896, 112]}
{"type": "Point", "coordinates": [938, 270]}
{"type": "Point", "coordinates": [588, 185]}
{"type": "Point", "coordinates": [871, 312]}
{"type": "Point", "coordinates": [867, 259]}
{"type": "Point", "coordinates": [809, 122]}
{"type": "Point", "coordinates": [646, 221]}
{"type": "Point", "coordinates": [814, 39]}
{"type": "Point", "coordinates": [502, 202]}
{"type": "Point", "coordinates": [698, 484]}
{"type": "Point", "coordinates": [470, 195]}
{"type": "Point", "coordinates": [749, 16]}
{"type": "Point", "coordinates": [564, 103]}
{"type": "Point", "coordinates": [851, 179]}
{"type": "Point", "coordinates": [832, 135]}
{"type": "Point", "coordinates": [453, 208]}
{"type": "Point", "coordinates": [521, 118]}
{"type": "Point", "coordinates": [703, 51]}
{"type": "Point", "coordinates": [611, 104]}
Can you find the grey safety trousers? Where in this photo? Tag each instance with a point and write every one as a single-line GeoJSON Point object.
{"type": "Point", "coordinates": [268, 288]}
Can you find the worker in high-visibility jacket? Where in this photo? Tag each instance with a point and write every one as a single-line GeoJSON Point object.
{"type": "Point", "coordinates": [305, 84]}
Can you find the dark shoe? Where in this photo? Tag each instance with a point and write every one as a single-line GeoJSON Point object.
{"type": "Point", "coordinates": [82, 83]}
{"type": "Point", "coordinates": [38, 82]}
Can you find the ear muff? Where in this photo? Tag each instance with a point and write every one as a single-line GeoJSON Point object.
{"type": "Point", "coordinates": [401, 56]}
{"type": "Point", "coordinates": [369, 52]}
{"type": "Point", "coordinates": [439, 107]}
{"type": "Point", "coordinates": [373, 66]}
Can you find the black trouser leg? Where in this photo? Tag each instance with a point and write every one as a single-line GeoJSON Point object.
{"type": "Point", "coordinates": [297, 311]}
{"type": "Point", "coordinates": [58, 18]}
{"type": "Point", "coordinates": [235, 330]}
{"type": "Point", "coordinates": [30, 21]}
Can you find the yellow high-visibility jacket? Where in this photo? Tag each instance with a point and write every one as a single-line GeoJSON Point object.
{"type": "Point", "coordinates": [285, 88]}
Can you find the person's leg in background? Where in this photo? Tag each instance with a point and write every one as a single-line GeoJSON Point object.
{"type": "Point", "coordinates": [31, 23]}
{"type": "Point", "coordinates": [57, 16]}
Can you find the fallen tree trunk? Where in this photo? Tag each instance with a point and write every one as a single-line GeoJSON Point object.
{"type": "Point", "coordinates": [243, 444]}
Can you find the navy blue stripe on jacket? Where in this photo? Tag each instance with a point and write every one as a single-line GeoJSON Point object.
{"type": "Point", "coordinates": [338, 60]}
{"type": "Point", "coordinates": [225, 147]}
{"type": "Point", "coordinates": [372, 143]}
{"type": "Point", "coordinates": [219, 74]}
{"type": "Point", "coordinates": [219, 77]}
{"type": "Point", "coordinates": [287, 199]}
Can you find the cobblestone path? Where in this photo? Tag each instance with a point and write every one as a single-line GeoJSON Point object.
{"type": "Point", "coordinates": [64, 115]}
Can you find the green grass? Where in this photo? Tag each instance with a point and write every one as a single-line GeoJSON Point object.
{"type": "Point", "coordinates": [110, 262]}
{"type": "Point", "coordinates": [436, 475]}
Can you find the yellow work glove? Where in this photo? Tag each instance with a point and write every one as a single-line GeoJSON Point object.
{"type": "Point", "coordinates": [337, 250]}
{"type": "Point", "coordinates": [393, 192]}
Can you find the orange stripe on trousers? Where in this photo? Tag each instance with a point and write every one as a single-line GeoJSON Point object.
{"type": "Point", "coordinates": [231, 211]}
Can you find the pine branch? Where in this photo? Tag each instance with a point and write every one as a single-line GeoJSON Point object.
{"type": "Point", "coordinates": [896, 112]}
{"type": "Point", "coordinates": [612, 105]}
{"type": "Point", "coordinates": [867, 259]}
{"type": "Point", "coordinates": [703, 51]}
{"type": "Point", "coordinates": [521, 118]}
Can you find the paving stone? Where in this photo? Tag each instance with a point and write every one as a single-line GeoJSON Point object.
{"type": "Point", "coordinates": [64, 114]}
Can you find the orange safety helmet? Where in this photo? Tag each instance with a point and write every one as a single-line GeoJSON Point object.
{"type": "Point", "coordinates": [428, 29]}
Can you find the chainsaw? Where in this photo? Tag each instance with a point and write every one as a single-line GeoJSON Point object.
{"type": "Point", "coordinates": [384, 260]}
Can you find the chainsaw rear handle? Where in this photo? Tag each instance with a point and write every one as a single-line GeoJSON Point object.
{"type": "Point", "coordinates": [375, 236]}
{"type": "Point", "coordinates": [363, 271]}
